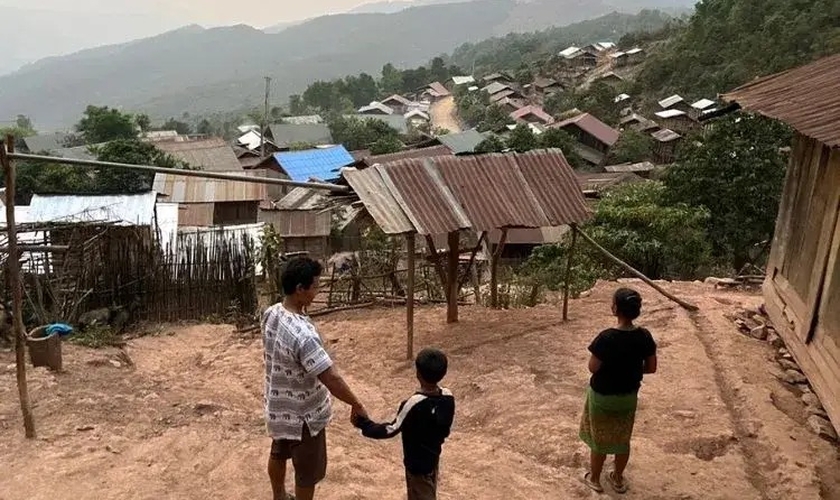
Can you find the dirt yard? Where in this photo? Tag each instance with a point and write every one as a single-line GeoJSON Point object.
{"type": "Point", "coordinates": [180, 417]}
{"type": "Point", "coordinates": [445, 115]}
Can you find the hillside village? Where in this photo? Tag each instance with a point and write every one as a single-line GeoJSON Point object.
{"type": "Point", "coordinates": [473, 200]}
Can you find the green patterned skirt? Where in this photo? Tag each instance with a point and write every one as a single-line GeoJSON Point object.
{"type": "Point", "coordinates": [607, 422]}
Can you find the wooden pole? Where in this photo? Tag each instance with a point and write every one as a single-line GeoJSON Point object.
{"type": "Point", "coordinates": [13, 263]}
{"type": "Point", "coordinates": [452, 277]}
{"type": "Point", "coordinates": [409, 297]}
{"type": "Point", "coordinates": [494, 270]}
{"type": "Point", "coordinates": [430, 242]}
{"type": "Point", "coordinates": [638, 274]}
{"type": "Point", "coordinates": [568, 283]}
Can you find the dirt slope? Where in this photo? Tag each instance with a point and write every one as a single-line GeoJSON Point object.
{"type": "Point", "coordinates": [444, 115]}
{"type": "Point", "coordinates": [185, 422]}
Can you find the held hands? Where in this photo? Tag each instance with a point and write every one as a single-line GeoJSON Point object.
{"type": "Point", "coordinates": [358, 413]}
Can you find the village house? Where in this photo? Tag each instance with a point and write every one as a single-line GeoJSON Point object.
{"type": "Point", "coordinates": [576, 58]}
{"type": "Point", "coordinates": [433, 92]}
{"type": "Point", "coordinates": [639, 123]}
{"type": "Point", "coordinates": [610, 79]}
{"type": "Point", "coordinates": [702, 107]}
{"type": "Point", "coordinates": [502, 77]}
{"type": "Point", "coordinates": [665, 151]}
{"type": "Point", "coordinates": [376, 108]}
{"type": "Point", "coordinates": [397, 103]}
{"type": "Point", "coordinates": [286, 135]}
{"type": "Point", "coordinates": [675, 102]}
{"type": "Point", "coordinates": [594, 184]}
{"type": "Point", "coordinates": [545, 87]}
{"type": "Point", "coordinates": [802, 287]}
{"type": "Point", "coordinates": [214, 155]}
{"type": "Point", "coordinates": [643, 169]}
{"type": "Point", "coordinates": [532, 114]}
{"type": "Point", "coordinates": [509, 105]}
{"type": "Point", "coordinates": [500, 96]}
{"type": "Point", "coordinates": [635, 55]}
{"type": "Point", "coordinates": [458, 81]}
{"type": "Point", "coordinates": [462, 142]}
{"type": "Point", "coordinates": [303, 221]}
{"type": "Point", "coordinates": [619, 59]}
{"type": "Point", "coordinates": [396, 122]}
{"type": "Point", "coordinates": [323, 164]}
{"type": "Point", "coordinates": [677, 120]}
{"type": "Point", "coordinates": [303, 119]}
{"type": "Point", "coordinates": [594, 137]}
{"type": "Point", "coordinates": [417, 118]}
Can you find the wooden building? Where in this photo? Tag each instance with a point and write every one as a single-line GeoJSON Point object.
{"type": "Point", "coordinates": [594, 137]}
{"type": "Point", "coordinates": [665, 151]}
{"type": "Point", "coordinates": [802, 288]}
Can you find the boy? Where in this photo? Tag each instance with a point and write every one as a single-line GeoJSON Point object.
{"type": "Point", "coordinates": [424, 420]}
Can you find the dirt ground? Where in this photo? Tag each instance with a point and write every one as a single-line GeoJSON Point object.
{"type": "Point", "coordinates": [183, 419]}
{"type": "Point", "coordinates": [445, 115]}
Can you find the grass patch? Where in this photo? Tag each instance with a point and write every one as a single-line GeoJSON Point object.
{"type": "Point", "coordinates": [96, 337]}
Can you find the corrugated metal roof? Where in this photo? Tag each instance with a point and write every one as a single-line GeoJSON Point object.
{"type": "Point", "coordinates": [212, 155]}
{"type": "Point", "coordinates": [444, 194]}
{"type": "Point", "coordinates": [397, 99]}
{"type": "Point", "coordinates": [182, 189]}
{"type": "Point", "coordinates": [634, 51]}
{"type": "Point", "coordinates": [76, 153]}
{"type": "Point", "coordinates": [463, 80]}
{"type": "Point", "coordinates": [416, 113]}
{"type": "Point", "coordinates": [592, 126]}
{"type": "Point", "coordinates": [670, 101]}
{"type": "Point", "coordinates": [288, 134]}
{"type": "Point", "coordinates": [439, 89]}
{"type": "Point", "coordinates": [569, 52]}
{"type": "Point", "coordinates": [463, 142]}
{"type": "Point", "coordinates": [807, 98]}
{"type": "Point", "coordinates": [498, 96]}
{"type": "Point", "coordinates": [301, 198]}
{"type": "Point", "coordinates": [124, 209]}
{"type": "Point", "coordinates": [644, 166]}
{"type": "Point", "coordinates": [419, 188]}
{"type": "Point", "coordinates": [374, 194]}
{"type": "Point", "coordinates": [324, 164]}
{"type": "Point", "coordinates": [670, 113]}
{"type": "Point", "coordinates": [303, 120]}
{"type": "Point", "coordinates": [703, 104]}
{"type": "Point", "coordinates": [46, 142]}
{"type": "Point", "coordinates": [601, 181]}
{"type": "Point", "coordinates": [496, 87]}
{"type": "Point", "coordinates": [532, 110]}
{"type": "Point", "coordinates": [376, 108]}
{"type": "Point", "coordinates": [666, 135]}
{"type": "Point", "coordinates": [409, 154]}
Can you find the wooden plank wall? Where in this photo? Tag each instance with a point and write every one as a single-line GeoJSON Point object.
{"type": "Point", "coordinates": [802, 290]}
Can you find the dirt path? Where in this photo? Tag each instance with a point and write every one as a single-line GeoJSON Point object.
{"type": "Point", "coordinates": [185, 421]}
{"type": "Point", "coordinates": [445, 115]}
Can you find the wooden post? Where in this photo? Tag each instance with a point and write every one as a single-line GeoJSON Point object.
{"type": "Point", "coordinates": [452, 277]}
{"type": "Point", "coordinates": [409, 298]}
{"type": "Point", "coordinates": [430, 242]}
{"type": "Point", "coordinates": [494, 270]}
{"type": "Point", "coordinates": [568, 283]}
{"type": "Point", "coordinates": [638, 274]}
{"type": "Point", "coordinates": [13, 263]}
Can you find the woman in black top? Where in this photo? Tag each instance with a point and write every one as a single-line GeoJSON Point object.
{"type": "Point", "coordinates": [619, 359]}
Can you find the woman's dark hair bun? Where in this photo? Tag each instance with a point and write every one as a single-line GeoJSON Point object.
{"type": "Point", "coordinates": [628, 303]}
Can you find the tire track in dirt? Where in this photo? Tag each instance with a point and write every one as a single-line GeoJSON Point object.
{"type": "Point", "coordinates": [757, 456]}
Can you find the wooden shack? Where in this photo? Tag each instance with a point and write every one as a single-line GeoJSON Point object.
{"type": "Point", "coordinates": [802, 288]}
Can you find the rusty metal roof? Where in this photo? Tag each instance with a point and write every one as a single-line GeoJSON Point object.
{"type": "Point", "coordinates": [447, 193]}
{"type": "Point", "coordinates": [371, 189]}
{"type": "Point", "coordinates": [409, 154]}
{"type": "Point", "coordinates": [183, 189]}
{"type": "Point", "coordinates": [807, 98]}
{"type": "Point", "coordinates": [214, 154]}
{"type": "Point", "coordinates": [592, 126]}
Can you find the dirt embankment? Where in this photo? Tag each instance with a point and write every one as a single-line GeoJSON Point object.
{"type": "Point", "coordinates": [444, 115]}
{"type": "Point", "coordinates": [183, 420]}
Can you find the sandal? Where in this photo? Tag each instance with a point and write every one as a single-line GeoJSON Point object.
{"type": "Point", "coordinates": [592, 485]}
{"type": "Point", "coordinates": [619, 488]}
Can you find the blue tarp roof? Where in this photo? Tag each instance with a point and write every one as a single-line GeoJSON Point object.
{"type": "Point", "coordinates": [322, 163]}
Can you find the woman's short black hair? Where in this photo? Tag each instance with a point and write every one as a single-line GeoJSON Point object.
{"type": "Point", "coordinates": [300, 271]}
{"type": "Point", "coordinates": [628, 303]}
{"type": "Point", "coordinates": [431, 365]}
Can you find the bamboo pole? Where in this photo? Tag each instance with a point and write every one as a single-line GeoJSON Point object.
{"type": "Point", "coordinates": [409, 304]}
{"type": "Point", "coordinates": [568, 283]}
{"type": "Point", "coordinates": [494, 270]}
{"type": "Point", "coordinates": [184, 173]}
{"type": "Point", "coordinates": [13, 263]}
{"type": "Point", "coordinates": [452, 277]}
{"type": "Point", "coordinates": [638, 274]}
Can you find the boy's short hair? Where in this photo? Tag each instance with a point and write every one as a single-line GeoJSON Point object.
{"type": "Point", "coordinates": [628, 303]}
{"type": "Point", "coordinates": [300, 271]}
{"type": "Point", "coordinates": [431, 365]}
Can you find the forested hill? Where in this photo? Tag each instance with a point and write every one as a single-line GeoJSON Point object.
{"type": "Point", "coordinates": [729, 42]}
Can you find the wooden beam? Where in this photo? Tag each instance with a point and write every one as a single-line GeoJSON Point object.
{"type": "Point", "coordinates": [494, 270]}
{"type": "Point", "coordinates": [568, 283]}
{"type": "Point", "coordinates": [37, 248]}
{"type": "Point", "coordinates": [430, 242]}
{"type": "Point", "coordinates": [409, 297]}
{"type": "Point", "coordinates": [452, 277]}
{"type": "Point", "coordinates": [471, 263]}
{"type": "Point", "coordinates": [13, 266]}
{"type": "Point", "coordinates": [638, 274]}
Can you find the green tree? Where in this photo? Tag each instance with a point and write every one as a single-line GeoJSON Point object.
{"type": "Point", "coordinates": [49, 178]}
{"type": "Point", "coordinates": [522, 139]}
{"type": "Point", "coordinates": [392, 80]}
{"type": "Point", "coordinates": [204, 127]}
{"type": "Point", "coordinates": [182, 128]}
{"type": "Point", "coordinates": [24, 122]}
{"type": "Point", "coordinates": [144, 122]}
{"type": "Point", "coordinates": [356, 134]}
{"type": "Point", "coordinates": [492, 144]}
{"type": "Point", "coordinates": [736, 172]}
{"type": "Point", "coordinates": [555, 138]}
{"type": "Point", "coordinates": [297, 107]}
{"type": "Point", "coordinates": [103, 124]}
{"type": "Point", "coordinates": [120, 181]}
{"type": "Point", "coordinates": [495, 118]}
{"type": "Point", "coordinates": [386, 145]}
{"type": "Point", "coordinates": [632, 146]}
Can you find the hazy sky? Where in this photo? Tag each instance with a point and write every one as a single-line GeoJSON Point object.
{"type": "Point", "coordinates": [56, 27]}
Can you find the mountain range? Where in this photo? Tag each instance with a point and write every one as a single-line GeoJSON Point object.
{"type": "Point", "coordinates": [196, 70]}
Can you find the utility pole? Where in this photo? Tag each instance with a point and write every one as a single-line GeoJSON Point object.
{"type": "Point", "coordinates": [265, 117]}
